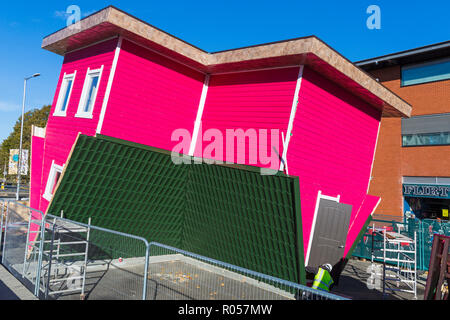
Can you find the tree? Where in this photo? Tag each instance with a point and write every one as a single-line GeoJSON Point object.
{"type": "Point", "coordinates": [36, 117]}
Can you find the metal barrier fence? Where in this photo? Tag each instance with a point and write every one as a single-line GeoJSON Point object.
{"type": "Point", "coordinates": [18, 230]}
{"type": "Point", "coordinates": [90, 262]}
{"type": "Point", "coordinates": [425, 229]}
{"type": "Point", "coordinates": [57, 258]}
{"type": "Point", "coordinates": [176, 274]}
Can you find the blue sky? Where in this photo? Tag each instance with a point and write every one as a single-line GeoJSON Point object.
{"type": "Point", "coordinates": [211, 25]}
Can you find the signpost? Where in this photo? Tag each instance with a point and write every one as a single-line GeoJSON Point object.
{"type": "Point", "coordinates": [14, 162]}
{"type": "Point", "coordinates": [4, 177]}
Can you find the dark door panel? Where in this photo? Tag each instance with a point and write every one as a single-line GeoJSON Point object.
{"type": "Point", "coordinates": [330, 233]}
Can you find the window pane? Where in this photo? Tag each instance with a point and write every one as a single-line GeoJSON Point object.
{"type": "Point", "coordinates": [55, 182]}
{"type": "Point", "coordinates": [426, 139]}
{"type": "Point", "coordinates": [92, 89]}
{"type": "Point", "coordinates": [66, 95]}
{"type": "Point", "coordinates": [426, 73]}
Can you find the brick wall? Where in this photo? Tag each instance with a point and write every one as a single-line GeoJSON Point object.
{"type": "Point", "coordinates": [392, 162]}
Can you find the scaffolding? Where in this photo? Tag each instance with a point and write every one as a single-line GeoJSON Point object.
{"type": "Point", "coordinates": [398, 255]}
{"type": "Point", "coordinates": [62, 261]}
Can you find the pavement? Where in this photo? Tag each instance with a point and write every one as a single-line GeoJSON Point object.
{"type": "Point", "coordinates": [178, 280]}
{"type": "Point", "coordinates": [174, 280]}
{"type": "Point", "coordinates": [353, 283]}
{"type": "Point", "coordinates": [11, 288]}
{"type": "Point", "coordinates": [181, 280]}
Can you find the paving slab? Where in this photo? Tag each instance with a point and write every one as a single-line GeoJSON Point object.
{"type": "Point", "coordinates": [11, 288]}
{"type": "Point", "coordinates": [353, 283]}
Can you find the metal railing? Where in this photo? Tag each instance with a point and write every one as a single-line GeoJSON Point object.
{"type": "Point", "coordinates": [178, 274]}
{"type": "Point", "coordinates": [58, 258]}
{"type": "Point", "coordinates": [98, 263]}
{"type": "Point", "coordinates": [425, 230]}
{"type": "Point", "coordinates": [17, 229]}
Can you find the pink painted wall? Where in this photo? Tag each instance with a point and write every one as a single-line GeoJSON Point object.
{"type": "Point", "coordinates": [37, 156]}
{"type": "Point", "coordinates": [249, 100]}
{"type": "Point", "coordinates": [332, 147]}
{"type": "Point", "coordinates": [151, 97]}
{"type": "Point", "coordinates": [334, 133]}
{"type": "Point", "coordinates": [368, 206]}
{"type": "Point", "coordinates": [61, 132]}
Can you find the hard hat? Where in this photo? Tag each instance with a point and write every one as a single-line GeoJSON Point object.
{"type": "Point", "coordinates": [327, 266]}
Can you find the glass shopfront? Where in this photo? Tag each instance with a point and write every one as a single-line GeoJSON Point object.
{"type": "Point", "coordinates": [426, 201]}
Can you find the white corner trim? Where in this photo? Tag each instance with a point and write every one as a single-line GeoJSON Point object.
{"type": "Point", "coordinates": [109, 86]}
{"type": "Point", "coordinates": [283, 138]}
{"type": "Point", "coordinates": [54, 168]}
{"type": "Point", "coordinates": [291, 117]}
{"type": "Point", "coordinates": [376, 206]}
{"type": "Point", "coordinates": [373, 159]}
{"type": "Point", "coordinates": [313, 226]}
{"type": "Point", "coordinates": [80, 113]}
{"type": "Point", "coordinates": [198, 120]}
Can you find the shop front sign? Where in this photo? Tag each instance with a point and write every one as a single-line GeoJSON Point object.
{"type": "Point", "coordinates": [426, 191]}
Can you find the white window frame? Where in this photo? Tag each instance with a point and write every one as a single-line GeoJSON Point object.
{"type": "Point", "coordinates": [62, 92]}
{"type": "Point", "coordinates": [48, 194]}
{"type": "Point", "coordinates": [84, 94]}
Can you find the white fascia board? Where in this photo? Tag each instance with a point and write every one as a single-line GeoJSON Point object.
{"type": "Point", "coordinates": [373, 159]}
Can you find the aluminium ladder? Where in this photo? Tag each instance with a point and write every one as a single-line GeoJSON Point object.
{"type": "Point", "coordinates": [399, 258]}
{"type": "Point", "coordinates": [73, 278]}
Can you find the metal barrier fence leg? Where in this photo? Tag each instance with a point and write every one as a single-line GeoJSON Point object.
{"type": "Point", "coordinates": [1, 222]}
{"type": "Point", "coordinates": [384, 263]}
{"type": "Point", "coordinates": [82, 296]}
{"type": "Point", "coordinates": [50, 261]}
{"type": "Point", "coordinates": [39, 266]}
{"type": "Point", "coordinates": [415, 265]}
{"type": "Point", "coordinates": [6, 228]}
{"type": "Point", "coordinates": [26, 243]}
{"type": "Point", "coordinates": [147, 257]}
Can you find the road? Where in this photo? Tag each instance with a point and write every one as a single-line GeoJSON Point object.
{"type": "Point", "coordinates": [10, 192]}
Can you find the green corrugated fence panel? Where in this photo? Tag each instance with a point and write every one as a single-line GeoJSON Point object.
{"type": "Point", "coordinates": [120, 187]}
{"type": "Point", "coordinates": [230, 213]}
{"type": "Point", "coordinates": [247, 214]}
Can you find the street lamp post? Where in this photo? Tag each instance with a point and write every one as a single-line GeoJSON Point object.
{"type": "Point", "coordinates": [19, 168]}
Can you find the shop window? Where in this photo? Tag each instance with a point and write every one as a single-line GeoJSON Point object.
{"type": "Point", "coordinates": [426, 72]}
{"type": "Point", "coordinates": [428, 139]}
{"type": "Point", "coordinates": [427, 130]}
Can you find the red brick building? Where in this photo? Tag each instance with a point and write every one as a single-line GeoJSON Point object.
{"type": "Point", "coordinates": [411, 170]}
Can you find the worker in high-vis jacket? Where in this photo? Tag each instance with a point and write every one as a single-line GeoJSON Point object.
{"type": "Point", "coordinates": [323, 280]}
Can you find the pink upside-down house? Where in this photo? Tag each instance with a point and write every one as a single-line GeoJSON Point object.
{"type": "Point", "coordinates": [124, 78]}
